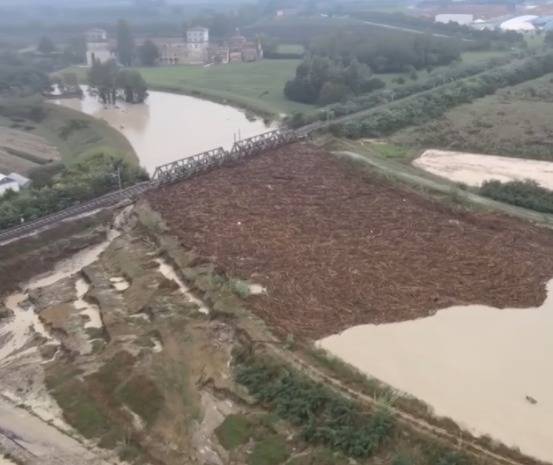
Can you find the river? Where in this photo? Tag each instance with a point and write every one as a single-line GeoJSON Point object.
{"type": "Point", "coordinates": [169, 126]}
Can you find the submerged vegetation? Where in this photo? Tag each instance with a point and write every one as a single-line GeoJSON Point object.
{"type": "Point", "coordinates": [112, 83]}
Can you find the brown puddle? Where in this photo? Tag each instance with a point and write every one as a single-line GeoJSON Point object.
{"type": "Point", "coordinates": [487, 369]}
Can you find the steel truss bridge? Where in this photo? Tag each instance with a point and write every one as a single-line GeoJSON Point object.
{"type": "Point", "coordinates": [164, 174]}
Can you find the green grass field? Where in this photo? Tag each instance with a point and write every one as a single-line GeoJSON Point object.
{"type": "Point", "coordinates": [257, 86]}
{"type": "Point", "coordinates": [75, 134]}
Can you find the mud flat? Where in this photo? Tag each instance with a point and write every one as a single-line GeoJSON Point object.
{"type": "Point", "coordinates": [473, 169]}
{"type": "Point", "coordinates": [486, 368]}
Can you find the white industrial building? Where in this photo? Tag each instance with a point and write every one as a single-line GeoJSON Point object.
{"type": "Point", "coordinates": [459, 18]}
{"type": "Point", "coordinates": [519, 24]}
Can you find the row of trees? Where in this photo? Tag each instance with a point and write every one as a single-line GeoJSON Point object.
{"type": "Point", "coordinates": [323, 80]}
{"type": "Point", "coordinates": [56, 189]}
{"type": "Point", "coordinates": [421, 107]}
{"type": "Point", "coordinates": [341, 63]}
{"type": "Point", "coordinates": [366, 101]}
{"type": "Point", "coordinates": [385, 52]}
{"type": "Point", "coordinates": [112, 83]}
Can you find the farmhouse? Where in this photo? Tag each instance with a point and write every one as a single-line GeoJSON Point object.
{"type": "Point", "coordinates": [13, 182]}
{"type": "Point", "coordinates": [98, 47]}
{"type": "Point", "coordinates": [197, 49]}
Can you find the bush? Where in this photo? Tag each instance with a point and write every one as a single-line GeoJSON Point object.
{"type": "Point", "coordinates": [78, 182]}
{"type": "Point", "coordinates": [234, 431]}
{"type": "Point", "coordinates": [527, 194]}
{"type": "Point", "coordinates": [269, 451]}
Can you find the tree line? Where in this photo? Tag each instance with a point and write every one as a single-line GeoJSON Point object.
{"type": "Point", "coordinates": [424, 106]}
{"type": "Point", "coordinates": [340, 64]}
{"type": "Point", "coordinates": [354, 104]}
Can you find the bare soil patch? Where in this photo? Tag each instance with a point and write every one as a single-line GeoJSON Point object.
{"type": "Point", "coordinates": [336, 246]}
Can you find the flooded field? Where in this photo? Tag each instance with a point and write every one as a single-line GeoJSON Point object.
{"type": "Point", "coordinates": [473, 169]}
{"type": "Point", "coordinates": [486, 368]}
{"type": "Point", "coordinates": [171, 126]}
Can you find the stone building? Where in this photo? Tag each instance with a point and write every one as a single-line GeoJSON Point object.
{"type": "Point", "coordinates": [197, 49]}
{"type": "Point", "coordinates": [243, 50]}
{"type": "Point", "coordinates": [98, 47]}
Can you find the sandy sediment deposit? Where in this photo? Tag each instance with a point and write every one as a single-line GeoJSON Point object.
{"type": "Point", "coordinates": [473, 169]}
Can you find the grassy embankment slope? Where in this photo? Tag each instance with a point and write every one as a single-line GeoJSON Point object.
{"type": "Point", "coordinates": [74, 134]}
{"type": "Point", "coordinates": [513, 122]}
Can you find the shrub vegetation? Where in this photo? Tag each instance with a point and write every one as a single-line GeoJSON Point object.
{"type": "Point", "coordinates": [74, 183]}
{"type": "Point", "coordinates": [424, 106]}
{"type": "Point", "coordinates": [527, 194]}
{"type": "Point", "coordinates": [323, 416]}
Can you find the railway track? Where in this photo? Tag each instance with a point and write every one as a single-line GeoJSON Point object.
{"type": "Point", "coordinates": [106, 200]}
{"type": "Point", "coordinates": [164, 174]}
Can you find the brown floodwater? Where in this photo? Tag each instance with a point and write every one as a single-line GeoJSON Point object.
{"type": "Point", "coordinates": [488, 369]}
{"type": "Point", "coordinates": [171, 126]}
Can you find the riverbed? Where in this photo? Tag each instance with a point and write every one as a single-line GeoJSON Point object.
{"type": "Point", "coordinates": [486, 368]}
{"type": "Point", "coordinates": [169, 126]}
{"type": "Point", "coordinates": [473, 169]}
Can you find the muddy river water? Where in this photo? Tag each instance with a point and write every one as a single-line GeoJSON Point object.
{"type": "Point", "coordinates": [488, 369]}
{"type": "Point", "coordinates": [171, 126]}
